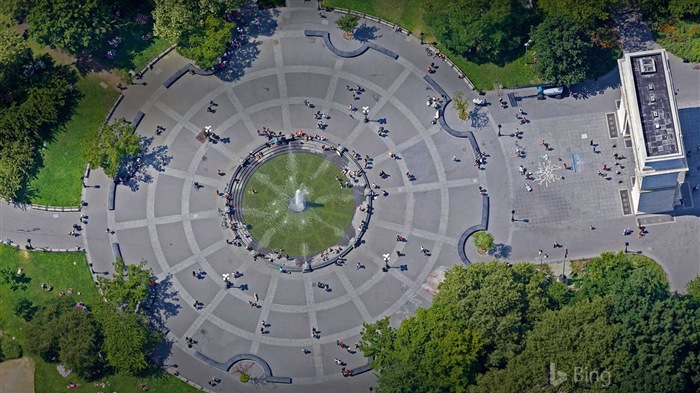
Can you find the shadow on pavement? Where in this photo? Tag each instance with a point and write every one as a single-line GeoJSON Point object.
{"type": "Point", "coordinates": [590, 88]}
{"type": "Point", "coordinates": [253, 23]}
{"type": "Point", "coordinates": [163, 303]}
{"type": "Point", "coordinates": [135, 171]}
{"type": "Point", "coordinates": [364, 33]}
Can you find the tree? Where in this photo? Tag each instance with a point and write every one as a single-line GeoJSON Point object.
{"type": "Point", "coordinates": [693, 288]}
{"type": "Point", "coordinates": [582, 336]}
{"type": "Point", "coordinates": [129, 287]}
{"type": "Point", "coordinates": [44, 331]}
{"type": "Point", "coordinates": [500, 303]}
{"type": "Point", "coordinates": [562, 51]}
{"type": "Point", "coordinates": [377, 341]}
{"type": "Point", "coordinates": [659, 331]}
{"type": "Point", "coordinates": [460, 104]}
{"type": "Point", "coordinates": [588, 14]}
{"type": "Point", "coordinates": [79, 341]}
{"type": "Point", "coordinates": [481, 30]}
{"type": "Point", "coordinates": [684, 9]}
{"type": "Point", "coordinates": [9, 348]}
{"type": "Point", "coordinates": [127, 339]}
{"type": "Point", "coordinates": [483, 241]}
{"type": "Point", "coordinates": [69, 25]}
{"type": "Point", "coordinates": [478, 320]}
{"type": "Point", "coordinates": [14, 55]}
{"type": "Point", "coordinates": [110, 144]}
{"type": "Point", "coordinates": [206, 44]}
{"type": "Point", "coordinates": [174, 19]}
{"type": "Point", "coordinates": [347, 23]}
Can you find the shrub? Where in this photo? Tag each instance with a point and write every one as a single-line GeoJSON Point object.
{"type": "Point", "coordinates": [483, 241]}
{"type": "Point", "coordinates": [460, 104]}
{"type": "Point", "coordinates": [10, 348]}
{"type": "Point", "coordinates": [348, 22]}
{"type": "Point", "coordinates": [245, 378]}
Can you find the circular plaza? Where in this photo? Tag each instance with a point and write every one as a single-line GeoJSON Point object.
{"type": "Point", "coordinates": [285, 203]}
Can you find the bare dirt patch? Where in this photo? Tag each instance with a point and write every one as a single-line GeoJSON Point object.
{"type": "Point", "coordinates": [17, 376]}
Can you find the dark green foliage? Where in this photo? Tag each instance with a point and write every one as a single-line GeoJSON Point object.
{"type": "Point", "coordinates": [582, 336]}
{"type": "Point", "coordinates": [693, 288]}
{"type": "Point", "coordinates": [127, 339]}
{"type": "Point", "coordinates": [562, 51]}
{"type": "Point", "coordinates": [42, 332]}
{"type": "Point", "coordinates": [24, 308]}
{"type": "Point", "coordinates": [493, 328]}
{"type": "Point", "coordinates": [9, 348]}
{"type": "Point", "coordinates": [481, 30]}
{"type": "Point", "coordinates": [67, 332]}
{"type": "Point", "coordinates": [587, 14]}
{"type": "Point", "coordinates": [194, 23]}
{"type": "Point", "coordinates": [477, 321]}
{"type": "Point", "coordinates": [74, 26]}
{"type": "Point", "coordinates": [79, 341]}
{"type": "Point", "coordinates": [110, 145]}
{"type": "Point", "coordinates": [129, 285]}
{"type": "Point", "coordinates": [35, 99]}
{"type": "Point", "coordinates": [206, 44]}
{"type": "Point", "coordinates": [347, 23]}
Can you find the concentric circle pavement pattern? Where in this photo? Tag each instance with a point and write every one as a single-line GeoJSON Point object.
{"type": "Point", "coordinates": [178, 229]}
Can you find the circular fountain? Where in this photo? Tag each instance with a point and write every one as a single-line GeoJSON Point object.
{"type": "Point", "coordinates": [297, 204]}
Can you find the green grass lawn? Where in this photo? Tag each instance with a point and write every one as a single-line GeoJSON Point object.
{"type": "Point", "coordinates": [409, 15]}
{"type": "Point", "coordinates": [63, 271]}
{"type": "Point", "coordinates": [329, 211]}
{"type": "Point", "coordinates": [58, 181]}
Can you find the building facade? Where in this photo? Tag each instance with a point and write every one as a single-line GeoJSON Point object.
{"type": "Point", "coordinates": [648, 115]}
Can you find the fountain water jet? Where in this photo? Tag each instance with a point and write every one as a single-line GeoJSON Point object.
{"type": "Point", "coordinates": [298, 203]}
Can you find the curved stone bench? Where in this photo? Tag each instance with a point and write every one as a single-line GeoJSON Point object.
{"type": "Point", "coordinates": [462, 243]}
{"type": "Point", "coordinates": [247, 168]}
{"type": "Point", "coordinates": [111, 195]}
{"type": "Point", "coordinates": [349, 54]}
{"type": "Point", "coordinates": [184, 70]}
{"type": "Point", "coordinates": [137, 119]}
{"type": "Point", "coordinates": [246, 356]}
{"type": "Point", "coordinates": [441, 119]}
{"type": "Point", "coordinates": [117, 251]}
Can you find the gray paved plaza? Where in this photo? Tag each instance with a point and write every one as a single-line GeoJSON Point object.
{"type": "Point", "coordinates": [162, 218]}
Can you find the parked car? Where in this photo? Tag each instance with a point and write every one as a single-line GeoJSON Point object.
{"type": "Point", "coordinates": [555, 92]}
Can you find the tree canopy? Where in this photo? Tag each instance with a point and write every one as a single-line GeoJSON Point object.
{"type": "Point", "coordinates": [127, 338]}
{"type": "Point", "coordinates": [110, 144]}
{"type": "Point", "coordinates": [206, 44]}
{"type": "Point", "coordinates": [129, 285]}
{"type": "Point", "coordinates": [71, 25]}
{"type": "Point", "coordinates": [197, 26]}
{"type": "Point", "coordinates": [563, 51]}
{"type": "Point", "coordinates": [70, 333]}
{"type": "Point", "coordinates": [480, 30]}
{"type": "Point", "coordinates": [494, 328]}
{"type": "Point", "coordinates": [347, 23]}
{"type": "Point", "coordinates": [36, 98]}
{"type": "Point", "coordinates": [585, 13]}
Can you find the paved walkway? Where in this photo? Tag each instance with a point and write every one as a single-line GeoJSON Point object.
{"type": "Point", "coordinates": [45, 229]}
{"type": "Point", "coordinates": [161, 218]}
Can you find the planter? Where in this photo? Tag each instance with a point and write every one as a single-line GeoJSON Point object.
{"type": "Point", "coordinates": [347, 35]}
{"type": "Point", "coordinates": [482, 251]}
